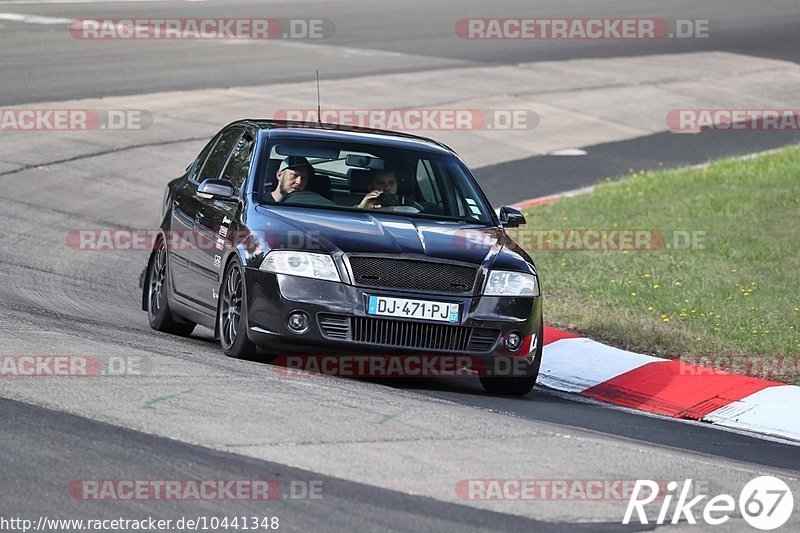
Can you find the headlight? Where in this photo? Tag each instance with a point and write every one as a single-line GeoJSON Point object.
{"type": "Point", "coordinates": [304, 264]}
{"type": "Point", "coordinates": [511, 284]}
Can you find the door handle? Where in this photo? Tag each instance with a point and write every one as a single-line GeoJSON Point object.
{"type": "Point", "coordinates": [199, 217]}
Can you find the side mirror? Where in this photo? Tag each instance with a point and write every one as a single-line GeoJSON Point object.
{"type": "Point", "coordinates": [217, 189]}
{"type": "Point", "coordinates": [510, 217]}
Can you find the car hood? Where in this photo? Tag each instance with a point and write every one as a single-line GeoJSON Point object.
{"type": "Point", "coordinates": [355, 232]}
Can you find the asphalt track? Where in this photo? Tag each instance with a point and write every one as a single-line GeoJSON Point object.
{"type": "Point", "coordinates": [43, 63]}
{"type": "Point", "coordinates": [389, 453]}
{"type": "Point", "coordinates": [92, 449]}
{"type": "Point", "coordinates": [551, 174]}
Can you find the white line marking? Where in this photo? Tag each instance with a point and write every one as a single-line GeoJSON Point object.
{"type": "Point", "coordinates": [45, 2]}
{"type": "Point", "coordinates": [568, 152]}
{"type": "Point", "coordinates": [337, 51]}
{"type": "Point", "coordinates": [33, 19]}
{"type": "Point", "coordinates": [340, 51]}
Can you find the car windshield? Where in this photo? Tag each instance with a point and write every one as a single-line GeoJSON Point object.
{"type": "Point", "coordinates": [372, 178]}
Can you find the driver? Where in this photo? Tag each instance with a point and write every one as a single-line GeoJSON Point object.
{"type": "Point", "coordinates": [293, 176]}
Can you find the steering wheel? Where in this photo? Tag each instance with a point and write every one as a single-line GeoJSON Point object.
{"type": "Point", "coordinates": [307, 197]}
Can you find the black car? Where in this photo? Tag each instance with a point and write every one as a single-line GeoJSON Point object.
{"type": "Point", "coordinates": [315, 237]}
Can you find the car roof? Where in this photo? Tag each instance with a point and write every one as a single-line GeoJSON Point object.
{"type": "Point", "coordinates": [338, 132]}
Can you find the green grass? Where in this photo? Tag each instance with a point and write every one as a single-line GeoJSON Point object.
{"type": "Point", "coordinates": [736, 294]}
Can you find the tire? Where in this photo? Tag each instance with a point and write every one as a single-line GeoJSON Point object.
{"type": "Point", "coordinates": [232, 314]}
{"type": "Point", "coordinates": [516, 385]}
{"type": "Point", "coordinates": [159, 315]}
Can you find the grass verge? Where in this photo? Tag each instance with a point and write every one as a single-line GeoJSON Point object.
{"type": "Point", "coordinates": [720, 279]}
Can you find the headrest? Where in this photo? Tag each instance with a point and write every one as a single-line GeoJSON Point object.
{"type": "Point", "coordinates": [270, 178]}
{"type": "Point", "coordinates": [359, 179]}
{"type": "Point", "coordinates": [320, 184]}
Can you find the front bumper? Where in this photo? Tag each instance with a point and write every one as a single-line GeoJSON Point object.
{"type": "Point", "coordinates": [483, 324]}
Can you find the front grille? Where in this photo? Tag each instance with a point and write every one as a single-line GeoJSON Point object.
{"type": "Point", "coordinates": [380, 272]}
{"type": "Point", "coordinates": [417, 335]}
{"type": "Point", "coordinates": [411, 335]}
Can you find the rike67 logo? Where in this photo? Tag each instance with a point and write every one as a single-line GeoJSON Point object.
{"type": "Point", "coordinates": [765, 503]}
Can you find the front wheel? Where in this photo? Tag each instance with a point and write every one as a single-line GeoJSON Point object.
{"type": "Point", "coordinates": [159, 315]}
{"type": "Point", "coordinates": [232, 315]}
{"type": "Point", "coordinates": [516, 385]}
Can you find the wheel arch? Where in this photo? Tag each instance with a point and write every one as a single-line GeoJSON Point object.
{"type": "Point", "coordinates": [146, 277]}
{"type": "Point", "coordinates": [231, 255]}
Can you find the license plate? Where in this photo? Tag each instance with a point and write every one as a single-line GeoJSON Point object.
{"type": "Point", "coordinates": [418, 309]}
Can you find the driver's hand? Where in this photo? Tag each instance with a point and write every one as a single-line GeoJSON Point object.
{"type": "Point", "coordinates": [369, 200]}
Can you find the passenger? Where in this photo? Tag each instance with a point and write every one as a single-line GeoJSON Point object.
{"type": "Point", "coordinates": [382, 181]}
{"type": "Point", "coordinates": [385, 181]}
{"type": "Point", "coordinates": [293, 176]}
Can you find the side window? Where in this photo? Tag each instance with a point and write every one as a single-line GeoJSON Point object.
{"type": "Point", "coordinates": [467, 198]}
{"type": "Point", "coordinates": [426, 182]}
{"type": "Point", "coordinates": [219, 154]}
{"type": "Point", "coordinates": [198, 163]}
{"type": "Point", "coordinates": [239, 163]}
